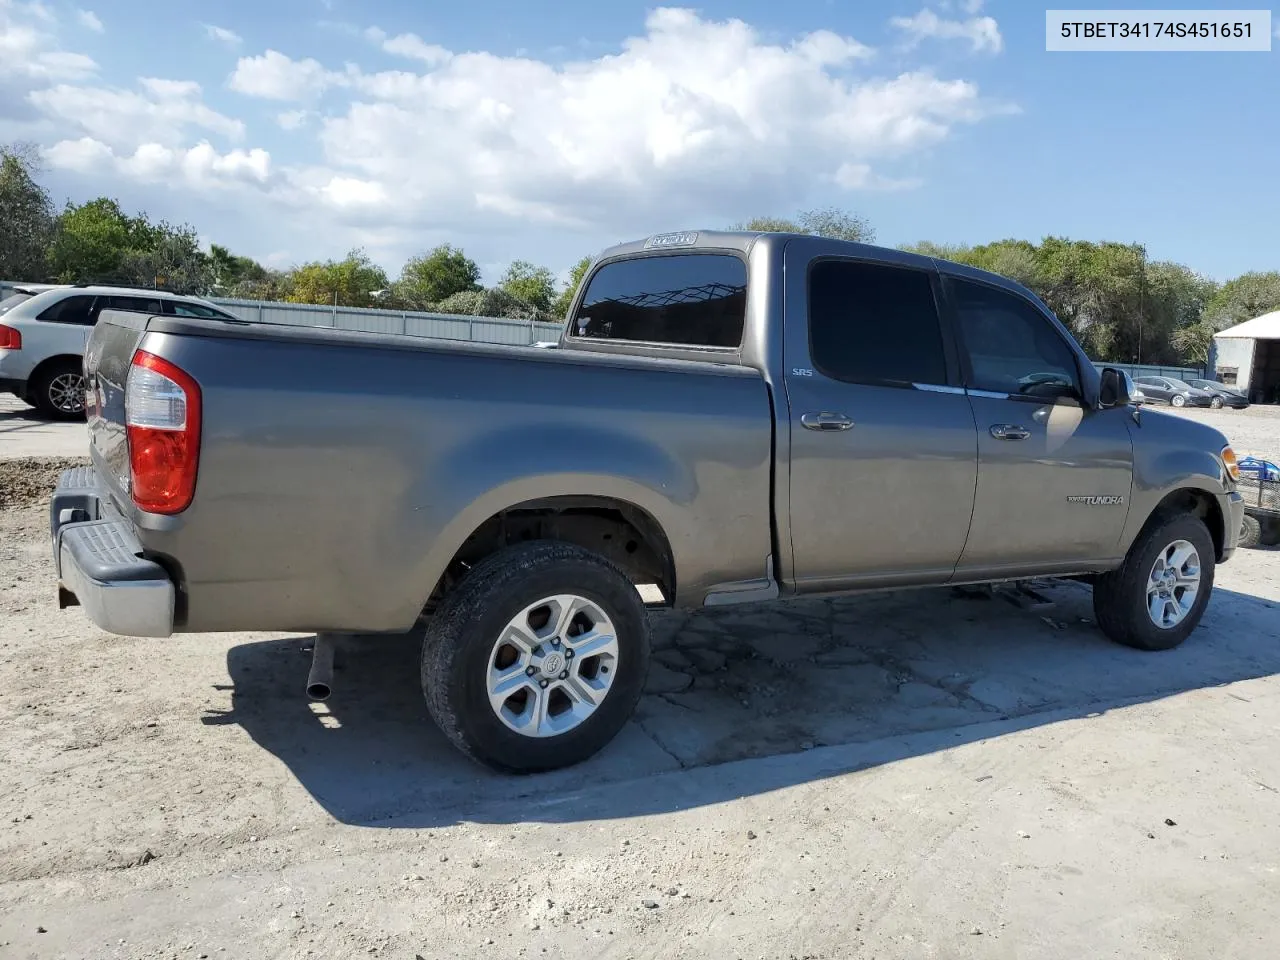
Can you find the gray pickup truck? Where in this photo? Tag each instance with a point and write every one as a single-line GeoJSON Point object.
{"type": "Point", "coordinates": [727, 418]}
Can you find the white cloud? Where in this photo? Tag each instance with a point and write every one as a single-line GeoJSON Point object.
{"type": "Point", "coordinates": [199, 166]}
{"type": "Point", "coordinates": [692, 120]}
{"type": "Point", "coordinates": [860, 176]}
{"type": "Point", "coordinates": [694, 115]}
{"type": "Point", "coordinates": [89, 20]}
{"type": "Point", "coordinates": [30, 55]}
{"type": "Point", "coordinates": [409, 45]}
{"type": "Point", "coordinates": [292, 119]}
{"type": "Point", "coordinates": [161, 113]}
{"type": "Point", "coordinates": [274, 76]}
{"type": "Point", "coordinates": [223, 35]}
{"type": "Point", "coordinates": [983, 33]}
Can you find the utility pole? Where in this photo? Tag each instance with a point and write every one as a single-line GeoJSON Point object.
{"type": "Point", "coordinates": [1142, 297]}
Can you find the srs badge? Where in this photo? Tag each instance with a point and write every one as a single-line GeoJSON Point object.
{"type": "Point", "coordinates": [1098, 501]}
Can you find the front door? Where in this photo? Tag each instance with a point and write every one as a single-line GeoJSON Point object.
{"type": "Point", "coordinates": [883, 457]}
{"type": "Point", "coordinates": [1054, 472]}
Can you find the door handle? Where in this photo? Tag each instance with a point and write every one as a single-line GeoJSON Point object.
{"type": "Point", "coordinates": [826, 421]}
{"type": "Point", "coordinates": [1009, 431]}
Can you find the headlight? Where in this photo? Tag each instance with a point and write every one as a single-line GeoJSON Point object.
{"type": "Point", "coordinates": [1229, 461]}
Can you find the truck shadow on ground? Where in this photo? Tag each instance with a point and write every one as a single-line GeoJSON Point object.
{"type": "Point", "coordinates": [821, 687]}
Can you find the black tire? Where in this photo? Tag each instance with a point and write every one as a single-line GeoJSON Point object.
{"type": "Point", "coordinates": [1178, 400]}
{"type": "Point", "coordinates": [1216, 403]}
{"type": "Point", "coordinates": [1120, 596]}
{"type": "Point", "coordinates": [1270, 532]}
{"type": "Point", "coordinates": [48, 390]}
{"type": "Point", "coordinates": [460, 637]}
{"type": "Point", "coordinates": [1250, 532]}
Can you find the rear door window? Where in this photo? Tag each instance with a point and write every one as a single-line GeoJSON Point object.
{"type": "Point", "coordinates": [181, 308]}
{"type": "Point", "coordinates": [876, 324]}
{"type": "Point", "coordinates": [686, 299]}
{"type": "Point", "coordinates": [138, 304]}
{"type": "Point", "coordinates": [77, 309]}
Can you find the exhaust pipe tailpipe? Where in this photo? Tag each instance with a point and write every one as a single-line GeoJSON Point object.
{"type": "Point", "coordinates": [320, 679]}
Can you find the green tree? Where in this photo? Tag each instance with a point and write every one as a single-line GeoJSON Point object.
{"type": "Point", "coordinates": [837, 224]}
{"type": "Point", "coordinates": [431, 277]}
{"type": "Point", "coordinates": [534, 285]}
{"type": "Point", "coordinates": [829, 222]}
{"type": "Point", "coordinates": [228, 271]}
{"type": "Point", "coordinates": [271, 285]}
{"type": "Point", "coordinates": [561, 307]}
{"type": "Point", "coordinates": [92, 240]}
{"type": "Point", "coordinates": [350, 282]}
{"type": "Point", "coordinates": [26, 215]}
{"type": "Point", "coordinates": [173, 261]}
{"type": "Point", "coordinates": [1247, 296]}
{"type": "Point", "coordinates": [1119, 305]}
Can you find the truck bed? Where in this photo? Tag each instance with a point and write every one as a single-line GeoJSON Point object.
{"type": "Point", "coordinates": [340, 471]}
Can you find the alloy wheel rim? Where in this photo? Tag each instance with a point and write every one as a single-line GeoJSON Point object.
{"type": "Point", "coordinates": [1173, 584]}
{"type": "Point", "coordinates": [552, 666]}
{"type": "Point", "coordinates": [66, 392]}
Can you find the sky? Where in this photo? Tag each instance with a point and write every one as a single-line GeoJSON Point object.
{"type": "Point", "coordinates": [295, 130]}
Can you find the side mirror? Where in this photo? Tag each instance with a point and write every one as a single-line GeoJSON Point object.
{"type": "Point", "coordinates": [1116, 389]}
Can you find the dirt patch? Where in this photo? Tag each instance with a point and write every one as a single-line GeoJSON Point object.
{"type": "Point", "coordinates": [32, 479]}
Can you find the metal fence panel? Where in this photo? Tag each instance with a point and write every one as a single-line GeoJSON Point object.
{"type": "Point", "coordinates": [1155, 370]}
{"type": "Point", "coordinates": [439, 326]}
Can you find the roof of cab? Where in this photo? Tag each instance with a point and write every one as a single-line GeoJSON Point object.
{"type": "Point", "coordinates": [743, 240]}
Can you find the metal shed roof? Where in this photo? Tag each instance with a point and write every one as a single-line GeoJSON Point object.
{"type": "Point", "coordinates": [1265, 327]}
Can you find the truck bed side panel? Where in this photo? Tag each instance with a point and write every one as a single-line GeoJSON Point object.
{"type": "Point", "coordinates": [337, 481]}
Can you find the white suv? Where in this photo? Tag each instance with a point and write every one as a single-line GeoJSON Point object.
{"type": "Point", "coordinates": [43, 332]}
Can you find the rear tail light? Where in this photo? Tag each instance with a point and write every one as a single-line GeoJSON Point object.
{"type": "Point", "coordinates": [10, 339]}
{"type": "Point", "coordinates": [162, 418]}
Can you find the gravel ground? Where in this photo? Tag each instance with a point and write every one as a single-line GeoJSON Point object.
{"type": "Point", "coordinates": [29, 480]}
{"type": "Point", "coordinates": [920, 774]}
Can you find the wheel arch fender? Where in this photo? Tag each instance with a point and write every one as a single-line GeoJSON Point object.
{"type": "Point", "coordinates": [503, 470]}
{"type": "Point", "coordinates": [1195, 492]}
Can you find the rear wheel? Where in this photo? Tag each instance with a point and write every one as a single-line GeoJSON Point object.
{"type": "Point", "coordinates": [58, 391]}
{"type": "Point", "coordinates": [1157, 597]}
{"type": "Point", "coordinates": [1250, 532]}
{"type": "Point", "coordinates": [537, 658]}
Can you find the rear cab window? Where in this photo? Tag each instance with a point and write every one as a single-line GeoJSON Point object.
{"type": "Point", "coordinates": [687, 300]}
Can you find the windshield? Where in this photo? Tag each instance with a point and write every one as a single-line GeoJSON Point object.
{"type": "Point", "coordinates": [11, 301]}
{"type": "Point", "coordinates": [1179, 384]}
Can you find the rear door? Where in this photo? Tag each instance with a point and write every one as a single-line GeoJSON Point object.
{"type": "Point", "coordinates": [883, 455]}
{"type": "Point", "coordinates": [66, 324]}
{"type": "Point", "coordinates": [1054, 472]}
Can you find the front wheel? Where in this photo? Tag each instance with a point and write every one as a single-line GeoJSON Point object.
{"type": "Point", "coordinates": [1158, 595]}
{"type": "Point", "coordinates": [1250, 532]}
{"type": "Point", "coordinates": [1216, 403]}
{"type": "Point", "coordinates": [537, 658]}
{"type": "Point", "coordinates": [1178, 400]}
